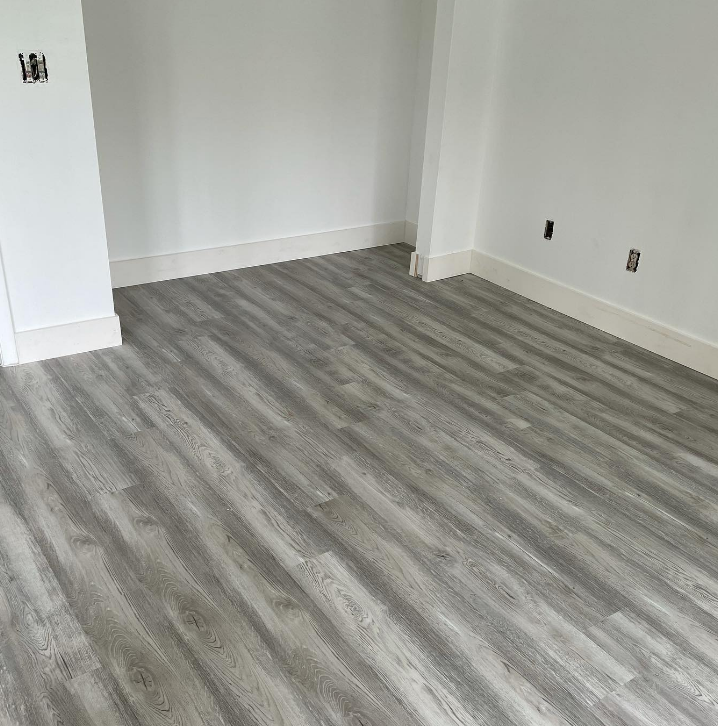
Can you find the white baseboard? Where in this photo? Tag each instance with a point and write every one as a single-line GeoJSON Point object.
{"type": "Point", "coordinates": [61, 340]}
{"type": "Point", "coordinates": [140, 270]}
{"type": "Point", "coordinates": [440, 267]}
{"type": "Point", "coordinates": [700, 355]}
{"type": "Point", "coordinates": [411, 230]}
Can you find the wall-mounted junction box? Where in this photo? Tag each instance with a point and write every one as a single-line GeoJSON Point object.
{"type": "Point", "coordinates": [634, 257]}
{"type": "Point", "coordinates": [33, 67]}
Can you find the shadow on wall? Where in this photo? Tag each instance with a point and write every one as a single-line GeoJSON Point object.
{"type": "Point", "coordinates": [234, 121]}
{"type": "Point", "coordinates": [134, 123]}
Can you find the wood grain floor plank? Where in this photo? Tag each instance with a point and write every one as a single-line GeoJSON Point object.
{"type": "Point", "coordinates": [238, 565]}
{"type": "Point", "coordinates": [323, 493]}
{"type": "Point", "coordinates": [120, 622]}
{"type": "Point", "coordinates": [98, 696]}
{"type": "Point", "coordinates": [426, 690]}
{"type": "Point", "coordinates": [411, 593]}
{"type": "Point", "coordinates": [222, 644]}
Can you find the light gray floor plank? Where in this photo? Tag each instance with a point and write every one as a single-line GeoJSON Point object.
{"type": "Point", "coordinates": [323, 493]}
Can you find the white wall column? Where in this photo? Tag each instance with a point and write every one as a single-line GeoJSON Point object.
{"type": "Point", "coordinates": [52, 226]}
{"type": "Point", "coordinates": [8, 348]}
{"type": "Point", "coordinates": [465, 46]}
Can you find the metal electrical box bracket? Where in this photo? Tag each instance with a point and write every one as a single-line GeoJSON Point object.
{"type": "Point", "coordinates": [33, 67]}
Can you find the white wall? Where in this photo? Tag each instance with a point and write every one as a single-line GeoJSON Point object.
{"type": "Point", "coordinates": [466, 124]}
{"type": "Point", "coordinates": [51, 224]}
{"type": "Point", "coordinates": [462, 73]}
{"type": "Point", "coordinates": [606, 120]}
{"type": "Point", "coordinates": [232, 121]}
{"type": "Point", "coordinates": [421, 107]}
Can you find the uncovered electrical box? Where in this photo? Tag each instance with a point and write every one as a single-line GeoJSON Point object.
{"type": "Point", "coordinates": [33, 67]}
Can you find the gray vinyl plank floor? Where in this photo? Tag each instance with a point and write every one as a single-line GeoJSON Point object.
{"type": "Point", "coordinates": [323, 493]}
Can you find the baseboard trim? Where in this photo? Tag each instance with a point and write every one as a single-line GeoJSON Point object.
{"type": "Point", "coordinates": [62, 340]}
{"type": "Point", "coordinates": [411, 231]}
{"type": "Point", "coordinates": [140, 270]}
{"type": "Point", "coordinates": [700, 355]}
{"type": "Point", "coordinates": [439, 267]}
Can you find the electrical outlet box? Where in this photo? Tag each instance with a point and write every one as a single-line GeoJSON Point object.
{"type": "Point", "coordinates": [33, 67]}
{"type": "Point", "coordinates": [548, 230]}
{"type": "Point", "coordinates": [634, 257]}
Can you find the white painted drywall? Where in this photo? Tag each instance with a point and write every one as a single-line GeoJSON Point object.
{"type": "Point", "coordinates": [606, 120]}
{"type": "Point", "coordinates": [232, 121]}
{"type": "Point", "coordinates": [436, 108]}
{"type": "Point", "coordinates": [465, 50]}
{"type": "Point", "coordinates": [51, 223]}
{"type": "Point", "coordinates": [421, 108]}
{"type": "Point", "coordinates": [8, 344]}
{"type": "Point", "coordinates": [466, 125]}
